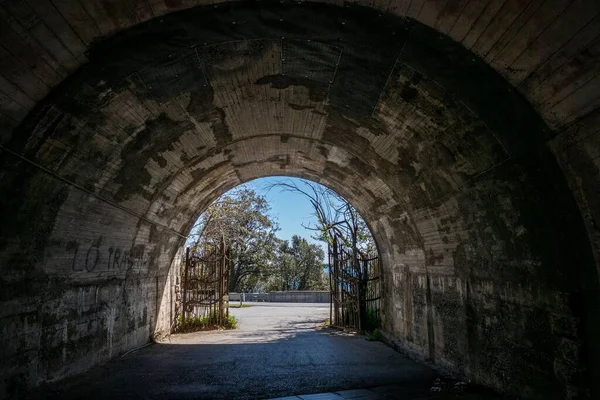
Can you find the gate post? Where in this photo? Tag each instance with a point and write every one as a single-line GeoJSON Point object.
{"type": "Point", "coordinates": [331, 323]}
{"type": "Point", "coordinates": [222, 283]}
{"type": "Point", "coordinates": [185, 279]}
{"type": "Point", "coordinates": [336, 284]}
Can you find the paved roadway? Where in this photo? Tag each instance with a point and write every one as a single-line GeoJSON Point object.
{"type": "Point", "coordinates": [278, 350]}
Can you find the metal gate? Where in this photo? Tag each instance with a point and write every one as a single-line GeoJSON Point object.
{"type": "Point", "coordinates": [355, 289]}
{"type": "Point", "coordinates": [205, 284]}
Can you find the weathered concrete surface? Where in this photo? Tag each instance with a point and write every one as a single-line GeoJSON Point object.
{"type": "Point", "coordinates": [277, 351]}
{"type": "Point", "coordinates": [545, 49]}
{"type": "Point", "coordinates": [465, 135]}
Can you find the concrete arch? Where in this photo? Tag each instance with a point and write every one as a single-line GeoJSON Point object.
{"type": "Point", "coordinates": [479, 205]}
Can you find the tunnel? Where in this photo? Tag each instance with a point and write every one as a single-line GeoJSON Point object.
{"type": "Point", "coordinates": [466, 133]}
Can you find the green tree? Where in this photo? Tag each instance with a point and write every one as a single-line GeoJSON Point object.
{"type": "Point", "coordinates": [299, 266]}
{"type": "Point", "coordinates": [242, 219]}
{"type": "Point", "coordinates": [259, 261]}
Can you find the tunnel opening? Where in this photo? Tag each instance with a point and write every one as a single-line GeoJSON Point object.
{"type": "Point", "coordinates": [281, 239]}
{"type": "Point", "coordinates": [481, 195]}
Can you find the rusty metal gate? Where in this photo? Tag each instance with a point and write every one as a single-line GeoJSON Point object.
{"type": "Point", "coordinates": [355, 289]}
{"type": "Point", "coordinates": [205, 281]}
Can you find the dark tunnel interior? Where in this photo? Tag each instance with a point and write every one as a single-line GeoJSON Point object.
{"type": "Point", "coordinates": [465, 133]}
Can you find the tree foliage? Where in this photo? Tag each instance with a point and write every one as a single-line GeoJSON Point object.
{"type": "Point", "coordinates": [259, 260]}
{"type": "Point", "coordinates": [299, 266]}
{"type": "Point", "coordinates": [242, 219]}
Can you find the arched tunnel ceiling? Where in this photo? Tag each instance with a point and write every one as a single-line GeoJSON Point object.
{"type": "Point", "coordinates": [544, 48]}
{"type": "Point", "coordinates": [413, 96]}
{"type": "Point", "coordinates": [431, 117]}
{"type": "Point", "coordinates": [374, 96]}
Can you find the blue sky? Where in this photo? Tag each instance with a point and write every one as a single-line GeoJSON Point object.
{"type": "Point", "coordinates": [291, 210]}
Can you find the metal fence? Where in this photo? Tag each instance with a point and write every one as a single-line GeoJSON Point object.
{"type": "Point", "coordinates": [355, 288]}
{"type": "Point", "coordinates": [204, 283]}
{"type": "Point", "coordinates": [290, 296]}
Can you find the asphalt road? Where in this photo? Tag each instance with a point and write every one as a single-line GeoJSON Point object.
{"type": "Point", "coordinates": [277, 350]}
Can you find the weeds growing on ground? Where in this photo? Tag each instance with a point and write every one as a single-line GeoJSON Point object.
{"type": "Point", "coordinates": [372, 321]}
{"type": "Point", "coordinates": [205, 322]}
{"type": "Point", "coordinates": [375, 335]}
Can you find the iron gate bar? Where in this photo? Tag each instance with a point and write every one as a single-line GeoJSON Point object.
{"type": "Point", "coordinates": [205, 283]}
{"type": "Point", "coordinates": [354, 283]}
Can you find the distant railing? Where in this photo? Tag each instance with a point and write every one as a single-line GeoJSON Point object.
{"type": "Point", "coordinates": [291, 296]}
